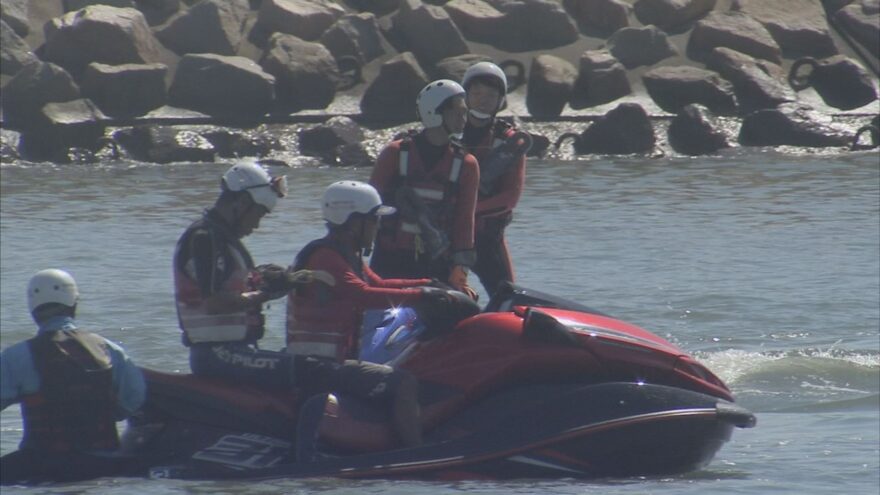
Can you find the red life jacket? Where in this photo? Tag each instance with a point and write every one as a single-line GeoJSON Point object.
{"type": "Point", "coordinates": [74, 408]}
{"type": "Point", "coordinates": [196, 323]}
{"type": "Point", "coordinates": [317, 323]}
{"type": "Point", "coordinates": [438, 190]}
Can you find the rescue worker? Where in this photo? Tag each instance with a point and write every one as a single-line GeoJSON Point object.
{"type": "Point", "coordinates": [72, 385]}
{"type": "Point", "coordinates": [433, 184]}
{"type": "Point", "coordinates": [218, 291]}
{"type": "Point", "coordinates": [323, 322]}
{"type": "Point", "coordinates": [500, 151]}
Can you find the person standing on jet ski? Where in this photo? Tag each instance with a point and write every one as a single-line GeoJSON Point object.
{"type": "Point", "coordinates": [433, 184]}
{"type": "Point", "coordinates": [500, 151]}
{"type": "Point", "coordinates": [72, 385]}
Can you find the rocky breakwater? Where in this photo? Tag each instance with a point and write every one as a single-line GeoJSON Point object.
{"type": "Point", "coordinates": [82, 78]}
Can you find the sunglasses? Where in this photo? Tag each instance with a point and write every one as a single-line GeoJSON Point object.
{"type": "Point", "coordinates": [278, 185]}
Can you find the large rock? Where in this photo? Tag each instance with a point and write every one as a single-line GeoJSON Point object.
{"type": "Point", "coordinates": [391, 97]}
{"type": "Point", "coordinates": [551, 80]}
{"type": "Point", "coordinates": [99, 33]}
{"type": "Point", "coordinates": [125, 90]}
{"type": "Point", "coordinates": [232, 143]}
{"type": "Point", "coordinates": [792, 124]}
{"type": "Point", "coordinates": [734, 30]}
{"type": "Point", "coordinates": [377, 7]}
{"type": "Point", "coordinates": [233, 88]}
{"type": "Point", "coordinates": [798, 26]}
{"type": "Point", "coordinates": [478, 20]}
{"type": "Point", "coordinates": [71, 5]}
{"type": "Point", "coordinates": [624, 130]}
{"type": "Point", "coordinates": [355, 35]}
{"type": "Point", "coordinates": [336, 142]}
{"type": "Point", "coordinates": [305, 19]}
{"type": "Point", "coordinates": [518, 33]}
{"type": "Point", "coordinates": [601, 79]}
{"type": "Point", "coordinates": [694, 132]}
{"type": "Point", "coordinates": [839, 80]}
{"type": "Point", "coordinates": [671, 15]}
{"type": "Point", "coordinates": [211, 26]}
{"type": "Point", "coordinates": [31, 88]}
{"type": "Point", "coordinates": [604, 16]}
{"type": "Point", "coordinates": [63, 125]}
{"type": "Point", "coordinates": [509, 24]}
{"type": "Point", "coordinates": [861, 20]}
{"type": "Point", "coordinates": [15, 13]}
{"type": "Point", "coordinates": [14, 52]}
{"type": "Point", "coordinates": [164, 144]}
{"type": "Point", "coordinates": [305, 73]}
{"type": "Point", "coordinates": [758, 83]}
{"type": "Point", "coordinates": [415, 20]}
{"type": "Point", "coordinates": [158, 11]}
{"type": "Point", "coordinates": [455, 67]}
{"type": "Point", "coordinates": [673, 88]}
{"type": "Point", "coordinates": [640, 46]}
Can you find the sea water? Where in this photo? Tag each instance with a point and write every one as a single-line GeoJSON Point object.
{"type": "Point", "coordinates": [764, 265]}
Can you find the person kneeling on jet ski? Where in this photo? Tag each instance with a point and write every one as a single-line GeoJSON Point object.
{"type": "Point", "coordinates": [323, 321]}
{"type": "Point", "coordinates": [73, 386]}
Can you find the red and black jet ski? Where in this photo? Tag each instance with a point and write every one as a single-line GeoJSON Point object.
{"type": "Point", "coordinates": [533, 386]}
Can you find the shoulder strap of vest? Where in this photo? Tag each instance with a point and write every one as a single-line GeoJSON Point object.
{"type": "Point", "coordinates": [305, 253]}
{"type": "Point", "coordinates": [457, 158]}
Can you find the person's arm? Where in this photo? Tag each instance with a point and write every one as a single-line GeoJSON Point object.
{"type": "Point", "coordinates": [352, 288]}
{"type": "Point", "coordinates": [375, 280]}
{"type": "Point", "coordinates": [384, 171]}
{"type": "Point", "coordinates": [463, 220]}
{"type": "Point", "coordinates": [508, 195]}
{"type": "Point", "coordinates": [128, 382]}
{"type": "Point", "coordinates": [18, 375]}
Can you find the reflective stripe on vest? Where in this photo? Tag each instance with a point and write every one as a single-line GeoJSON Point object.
{"type": "Point", "coordinates": [430, 195]}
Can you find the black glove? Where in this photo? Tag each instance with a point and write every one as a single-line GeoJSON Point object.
{"type": "Point", "coordinates": [272, 279]}
{"type": "Point", "coordinates": [439, 284]}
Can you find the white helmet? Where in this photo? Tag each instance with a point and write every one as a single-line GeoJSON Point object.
{"type": "Point", "coordinates": [487, 70]}
{"type": "Point", "coordinates": [345, 197]}
{"type": "Point", "coordinates": [432, 96]}
{"type": "Point", "coordinates": [263, 188]}
{"type": "Point", "coordinates": [51, 286]}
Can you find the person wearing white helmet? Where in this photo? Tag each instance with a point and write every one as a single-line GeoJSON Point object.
{"type": "Point", "coordinates": [219, 292]}
{"type": "Point", "coordinates": [323, 322]}
{"type": "Point", "coordinates": [433, 182]}
{"type": "Point", "coordinates": [72, 385]}
{"type": "Point", "coordinates": [500, 151]}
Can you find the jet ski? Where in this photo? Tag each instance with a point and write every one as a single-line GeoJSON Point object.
{"type": "Point", "coordinates": [533, 386]}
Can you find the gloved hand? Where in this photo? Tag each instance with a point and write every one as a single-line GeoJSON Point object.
{"type": "Point", "coordinates": [458, 279]}
{"type": "Point", "coordinates": [276, 281]}
{"type": "Point", "coordinates": [439, 284]}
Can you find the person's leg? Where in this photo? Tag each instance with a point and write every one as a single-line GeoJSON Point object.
{"type": "Point", "coordinates": [493, 261]}
{"type": "Point", "coordinates": [369, 381]}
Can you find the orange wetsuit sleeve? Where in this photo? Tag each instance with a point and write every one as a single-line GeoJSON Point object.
{"type": "Point", "coordinates": [509, 193]}
{"type": "Point", "coordinates": [465, 207]}
{"type": "Point", "coordinates": [385, 169]}
{"type": "Point", "coordinates": [349, 286]}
